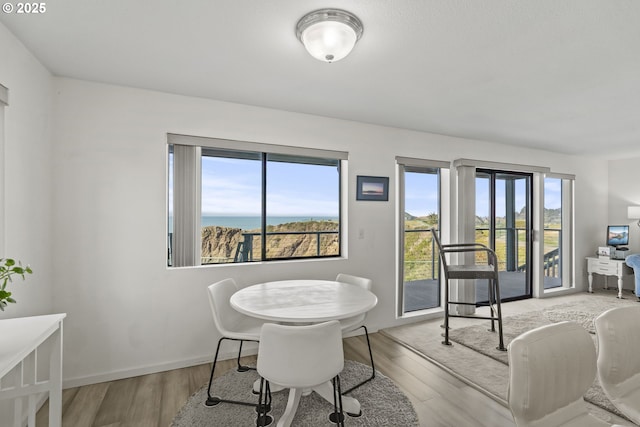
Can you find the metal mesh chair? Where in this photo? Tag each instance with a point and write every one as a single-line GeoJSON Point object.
{"type": "Point", "coordinates": [478, 270]}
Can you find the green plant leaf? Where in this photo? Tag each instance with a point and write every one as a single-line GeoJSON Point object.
{"type": "Point", "coordinates": [8, 267]}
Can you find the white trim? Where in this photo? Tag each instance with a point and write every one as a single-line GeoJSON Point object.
{"type": "Point", "coordinates": [414, 162]}
{"type": "Point", "coordinates": [249, 349]}
{"type": "Point", "coordinates": [560, 175]}
{"type": "Point", "coordinates": [230, 144]}
{"type": "Point", "coordinates": [400, 248]}
{"type": "Point", "coordinates": [511, 167]}
{"type": "Point", "coordinates": [152, 369]}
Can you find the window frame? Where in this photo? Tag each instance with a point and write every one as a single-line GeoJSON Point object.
{"type": "Point", "coordinates": [214, 147]}
{"type": "Point", "coordinates": [404, 164]}
{"type": "Point", "coordinates": [567, 247]}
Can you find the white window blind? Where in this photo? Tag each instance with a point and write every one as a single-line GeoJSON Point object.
{"type": "Point", "coordinates": [186, 205]}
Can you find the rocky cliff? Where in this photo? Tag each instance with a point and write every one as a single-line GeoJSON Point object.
{"type": "Point", "coordinates": [290, 240]}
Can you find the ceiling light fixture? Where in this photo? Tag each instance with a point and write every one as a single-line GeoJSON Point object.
{"type": "Point", "coordinates": [329, 34]}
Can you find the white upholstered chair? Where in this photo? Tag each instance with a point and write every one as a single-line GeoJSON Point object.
{"type": "Point", "coordinates": [551, 368]}
{"type": "Point", "coordinates": [233, 326]}
{"type": "Point", "coordinates": [619, 358]}
{"type": "Point", "coordinates": [354, 323]}
{"type": "Point", "coordinates": [299, 357]}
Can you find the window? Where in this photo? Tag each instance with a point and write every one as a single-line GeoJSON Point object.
{"type": "Point", "coordinates": [252, 203]}
{"type": "Point", "coordinates": [558, 235]}
{"type": "Point", "coordinates": [419, 287]}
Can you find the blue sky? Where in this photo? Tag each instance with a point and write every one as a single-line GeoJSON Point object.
{"type": "Point", "coordinates": [552, 193]}
{"type": "Point", "coordinates": [421, 195]}
{"type": "Point", "coordinates": [233, 187]}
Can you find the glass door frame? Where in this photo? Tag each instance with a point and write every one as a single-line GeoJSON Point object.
{"type": "Point", "coordinates": [509, 262]}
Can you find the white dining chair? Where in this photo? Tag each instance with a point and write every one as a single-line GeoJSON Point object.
{"type": "Point", "coordinates": [550, 369]}
{"type": "Point", "coordinates": [354, 323]}
{"type": "Point", "coordinates": [298, 358]}
{"type": "Point", "coordinates": [233, 326]}
{"type": "Point", "coordinates": [619, 358]}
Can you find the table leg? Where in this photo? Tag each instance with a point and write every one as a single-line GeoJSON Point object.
{"type": "Point", "coordinates": [620, 286]}
{"type": "Point", "coordinates": [55, 380]}
{"type": "Point", "coordinates": [590, 282]}
{"type": "Point", "coordinates": [349, 404]}
{"type": "Point", "coordinates": [292, 405]}
{"type": "Point", "coordinates": [274, 387]}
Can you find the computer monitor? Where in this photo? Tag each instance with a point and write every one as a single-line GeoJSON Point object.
{"type": "Point", "coordinates": [617, 235]}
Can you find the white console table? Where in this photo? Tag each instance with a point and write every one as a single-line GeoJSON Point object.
{"type": "Point", "coordinates": [20, 339]}
{"type": "Point", "coordinates": [607, 267]}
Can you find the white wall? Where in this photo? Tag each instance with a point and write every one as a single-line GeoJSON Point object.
{"type": "Point", "coordinates": [27, 176]}
{"type": "Point", "coordinates": [128, 313]}
{"type": "Point", "coordinates": [624, 176]}
{"type": "Point", "coordinates": [85, 205]}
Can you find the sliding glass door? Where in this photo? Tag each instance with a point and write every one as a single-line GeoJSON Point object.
{"type": "Point", "coordinates": [503, 222]}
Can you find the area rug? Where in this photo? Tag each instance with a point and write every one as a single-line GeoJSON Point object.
{"type": "Point", "coordinates": [382, 403]}
{"type": "Point", "coordinates": [478, 362]}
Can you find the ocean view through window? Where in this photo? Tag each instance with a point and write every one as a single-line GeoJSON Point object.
{"type": "Point", "coordinates": [255, 206]}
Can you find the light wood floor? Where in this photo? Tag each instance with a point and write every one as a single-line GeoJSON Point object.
{"type": "Point", "coordinates": [439, 398]}
{"type": "Point", "coordinates": [153, 400]}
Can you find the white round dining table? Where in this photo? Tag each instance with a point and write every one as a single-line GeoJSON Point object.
{"type": "Point", "coordinates": [304, 302]}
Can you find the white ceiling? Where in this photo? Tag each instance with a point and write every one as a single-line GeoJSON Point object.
{"type": "Point", "coordinates": [556, 75]}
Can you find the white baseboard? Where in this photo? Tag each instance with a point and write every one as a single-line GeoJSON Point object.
{"type": "Point", "coordinates": [152, 369]}
{"type": "Point", "coordinates": [178, 364]}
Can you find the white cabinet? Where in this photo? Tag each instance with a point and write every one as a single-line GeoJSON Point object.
{"type": "Point", "coordinates": [607, 267]}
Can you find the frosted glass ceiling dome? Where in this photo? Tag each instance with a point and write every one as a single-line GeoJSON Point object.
{"type": "Point", "coordinates": [329, 34]}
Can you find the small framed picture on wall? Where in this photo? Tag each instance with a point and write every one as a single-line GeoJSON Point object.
{"type": "Point", "coordinates": [374, 188]}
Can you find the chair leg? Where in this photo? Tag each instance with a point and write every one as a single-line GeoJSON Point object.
{"type": "Point", "coordinates": [501, 346]}
{"type": "Point", "coordinates": [446, 312]}
{"type": "Point", "coordinates": [242, 368]}
{"type": "Point", "coordinates": [264, 404]}
{"type": "Point", "coordinates": [373, 367]}
{"type": "Point", "coordinates": [337, 417]}
{"type": "Point", "coordinates": [492, 301]}
{"type": "Point", "coordinates": [214, 400]}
